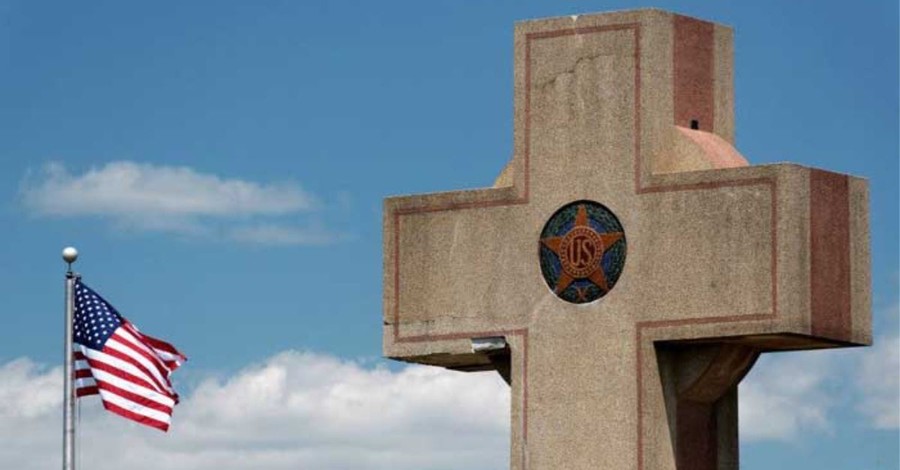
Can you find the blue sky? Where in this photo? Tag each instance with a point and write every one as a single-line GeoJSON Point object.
{"type": "Point", "coordinates": [291, 121]}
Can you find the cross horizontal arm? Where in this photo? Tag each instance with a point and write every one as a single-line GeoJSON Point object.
{"type": "Point", "coordinates": [446, 262]}
{"type": "Point", "coordinates": [800, 270]}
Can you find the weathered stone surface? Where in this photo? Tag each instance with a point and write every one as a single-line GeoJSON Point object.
{"type": "Point", "coordinates": [724, 260]}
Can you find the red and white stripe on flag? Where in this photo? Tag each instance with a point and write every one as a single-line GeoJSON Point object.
{"type": "Point", "coordinates": [131, 375]}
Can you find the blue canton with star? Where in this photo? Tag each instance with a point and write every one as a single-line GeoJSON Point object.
{"type": "Point", "coordinates": [95, 320]}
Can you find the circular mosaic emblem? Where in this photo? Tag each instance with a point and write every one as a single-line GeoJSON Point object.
{"type": "Point", "coordinates": [582, 251]}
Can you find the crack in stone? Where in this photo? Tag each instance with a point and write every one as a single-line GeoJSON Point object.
{"type": "Point", "coordinates": [569, 71]}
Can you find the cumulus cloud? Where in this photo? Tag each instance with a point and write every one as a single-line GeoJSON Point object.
{"type": "Point", "coordinates": [305, 410]}
{"type": "Point", "coordinates": [141, 196]}
{"type": "Point", "coordinates": [786, 395]}
{"type": "Point", "coordinates": [879, 379]}
{"type": "Point", "coordinates": [295, 410]}
{"type": "Point", "coordinates": [28, 390]}
{"type": "Point", "coordinates": [124, 188]}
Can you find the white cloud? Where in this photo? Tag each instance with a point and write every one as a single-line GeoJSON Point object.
{"type": "Point", "coordinates": [879, 378]}
{"type": "Point", "coordinates": [789, 394]}
{"type": "Point", "coordinates": [27, 390]}
{"type": "Point", "coordinates": [141, 196]}
{"type": "Point", "coordinates": [126, 188]}
{"type": "Point", "coordinates": [271, 234]}
{"type": "Point", "coordinates": [304, 410]}
{"type": "Point", "coordinates": [786, 395]}
{"type": "Point", "coordinates": [296, 410]}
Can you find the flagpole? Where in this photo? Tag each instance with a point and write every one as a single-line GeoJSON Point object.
{"type": "Point", "coordinates": [69, 255]}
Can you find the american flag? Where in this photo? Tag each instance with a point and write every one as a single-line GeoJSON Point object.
{"type": "Point", "coordinates": [128, 369]}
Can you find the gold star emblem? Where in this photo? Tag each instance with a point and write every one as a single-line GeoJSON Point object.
{"type": "Point", "coordinates": [580, 252]}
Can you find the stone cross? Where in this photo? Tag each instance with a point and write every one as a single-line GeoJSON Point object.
{"type": "Point", "coordinates": [628, 267]}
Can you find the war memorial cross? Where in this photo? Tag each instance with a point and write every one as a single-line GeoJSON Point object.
{"type": "Point", "coordinates": [628, 267]}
